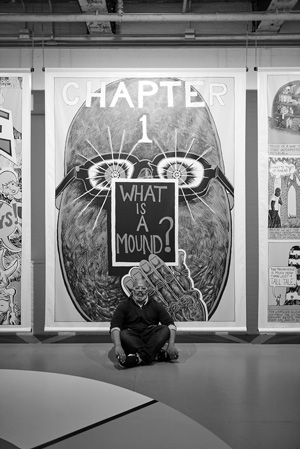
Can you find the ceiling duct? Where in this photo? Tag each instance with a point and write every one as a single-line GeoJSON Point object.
{"type": "Point", "coordinates": [153, 17]}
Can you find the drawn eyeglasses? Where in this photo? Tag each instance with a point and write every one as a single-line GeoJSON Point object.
{"type": "Point", "coordinates": [192, 171]}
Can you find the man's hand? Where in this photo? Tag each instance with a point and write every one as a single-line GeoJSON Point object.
{"type": "Point", "coordinates": [172, 352]}
{"type": "Point", "coordinates": [120, 354]}
{"type": "Point", "coordinates": [119, 351]}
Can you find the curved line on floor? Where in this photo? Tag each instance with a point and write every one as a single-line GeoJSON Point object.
{"type": "Point", "coordinates": [92, 426]}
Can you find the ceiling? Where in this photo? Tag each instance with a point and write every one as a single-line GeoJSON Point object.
{"type": "Point", "coordinates": [129, 23]}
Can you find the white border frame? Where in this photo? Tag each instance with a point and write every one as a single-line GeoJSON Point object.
{"type": "Point", "coordinates": [239, 243]}
{"type": "Point", "coordinates": [263, 174]}
{"type": "Point", "coordinates": [113, 217]}
{"type": "Point", "coordinates": [26, 270]}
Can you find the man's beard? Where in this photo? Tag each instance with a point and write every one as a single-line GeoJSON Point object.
{"type": "Point", "coordinates": [140, 298]}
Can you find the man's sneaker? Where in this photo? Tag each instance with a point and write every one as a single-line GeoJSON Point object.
{"type": "Point", "coordinates": [130, 361]}
{"type": "Point", "coordinates": [163, 356]}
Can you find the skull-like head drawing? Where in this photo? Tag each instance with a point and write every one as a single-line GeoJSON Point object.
{"type": "Point", "coordinates": [147, 128]}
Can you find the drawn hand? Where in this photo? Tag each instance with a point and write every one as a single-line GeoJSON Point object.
{"type": "Point", "coordinates": [171, 286]}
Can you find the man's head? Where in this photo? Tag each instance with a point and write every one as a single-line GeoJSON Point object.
{"type": "Point", "coordinates": [277, 191]}
{"type": "Point", "coordinates": [140, 291]}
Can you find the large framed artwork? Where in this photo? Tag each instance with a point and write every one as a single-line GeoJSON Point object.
{"type": "Point", "coordinates": [279, 199]}
{"type": "Point", "coordinates": [145, 178]}
{"type": "Point", "coordinates": [15, 210]}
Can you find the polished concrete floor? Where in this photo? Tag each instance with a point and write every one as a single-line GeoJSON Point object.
{"type": "Point", "coordinates": [245, 394]}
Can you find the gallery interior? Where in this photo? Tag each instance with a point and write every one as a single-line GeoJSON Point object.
{"type": "Point", "coordinates": [64, 388]}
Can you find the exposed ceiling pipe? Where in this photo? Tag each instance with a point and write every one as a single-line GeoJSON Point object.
{"type": "Point", "coordinates": [216, 17]}
{"type": "Point", "coordinates": [25, 30]}
{"type": "Point", "coordinates": [172, 38]}
{"type": "Point", "coordinates": [206, 38]}
{"type": "Point", "coordinates": [120, 7]}
{"type": "Point", "coordinates": [52, 24]}
{"type": "Point", "coordinates": [184, 6]}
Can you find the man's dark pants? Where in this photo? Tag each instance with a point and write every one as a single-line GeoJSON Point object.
{"type": "Point", "coordinates": [146, 343]}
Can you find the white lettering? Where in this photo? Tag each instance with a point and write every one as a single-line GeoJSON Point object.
{"type": "Point", "coordinates": [143, 223]}
{"type": "Point", "coordinates": [67, 100]}
{"type": "Point", "coordinates": [216, 94]}
{"type": "Point", "coordinates": [90, 94]}
{"type": "Point", "coordinates": [145, 138]}
{"type": "Point", "coordinates": [139, 243]}
{"type": "Point", "coordinates": [148, 88]}
{"type": "Point", "coordinates": [160, 188]}
{"type": "Point", "coordinates": [189, 94]}
{"type": "Point", "coordinates": [121, 92]}
{"type": "Point", "coordinates": [137, 193]}
{"type": "Point", "coordinates": [169, 85]}
{"type": "Point", "coordinates": [146, 93]}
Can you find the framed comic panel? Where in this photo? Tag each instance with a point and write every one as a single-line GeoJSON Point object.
{"type": "Point", "coordinates": [145, 176]}
{"type": "Point", "coordinates": [15, 209]}
{"type": "Point", "coordinates": [279, 194]}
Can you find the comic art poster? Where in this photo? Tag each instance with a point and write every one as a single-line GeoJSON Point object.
{"type": "Point", "coordinates": [15, 262]}
{"type": "Point", "coordinates": [279, 212]}
{"type": "Point", "coordinates": [145, 179]}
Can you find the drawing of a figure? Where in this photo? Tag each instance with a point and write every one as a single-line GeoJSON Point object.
{"type": "Point", "coordinates": [274, 220]}
{"type": "Point", "coordinates": [9, 309]}
{"type": "Point", "coordinates": [10, 199]}
{"type": "Point", "coordinates": [284, 198]}
{"type": "Point", "coordinates": [278, 298]}
{"type": "Point", "coordinates": [286, 108]}
{"type": "Point", "coordinates": [9, 186]}
{"type": "Point", "coordinates": [292, 296]}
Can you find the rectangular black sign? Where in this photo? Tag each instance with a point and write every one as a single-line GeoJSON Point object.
{"type": "Point", "coordinates": [144, 221]}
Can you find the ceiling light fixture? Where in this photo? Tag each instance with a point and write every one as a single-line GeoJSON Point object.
{"type": "Point", "coordinates": [24, 33]}
{"type": "Point", "coordinates": [190, 33]}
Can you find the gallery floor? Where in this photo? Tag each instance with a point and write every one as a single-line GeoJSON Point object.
{"type": "Point", "coordinates": [223, 392]}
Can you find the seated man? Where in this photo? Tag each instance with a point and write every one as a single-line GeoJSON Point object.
{"type": "Point", "coordinates": [139, 329]}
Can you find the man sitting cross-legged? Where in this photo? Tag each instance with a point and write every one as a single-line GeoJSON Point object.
{"type": "Point", "coordinates": [140, 327]}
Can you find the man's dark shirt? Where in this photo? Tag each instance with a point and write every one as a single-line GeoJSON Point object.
{"type": "Point", "coordinates": [128, 315]}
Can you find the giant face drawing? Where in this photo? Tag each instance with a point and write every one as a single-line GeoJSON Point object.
{"type": "Point", "coordinates": [147, 128]}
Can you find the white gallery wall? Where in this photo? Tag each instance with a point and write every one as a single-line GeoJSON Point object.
{"type": "Point", "coordinates": [149, 58]}
{"type": "Point", "coordinates": [37, 59]}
